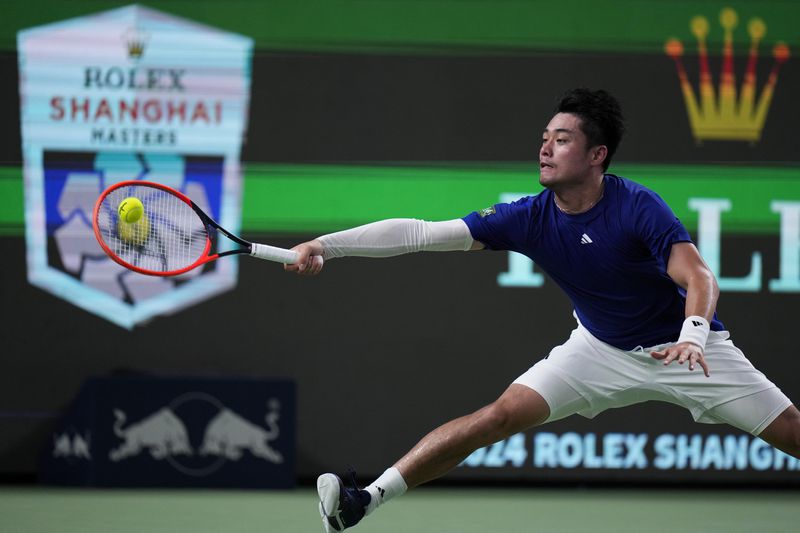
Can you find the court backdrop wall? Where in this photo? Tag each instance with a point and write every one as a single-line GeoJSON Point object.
{"type": "Point", "coordinates": [367, 338]}
{"type": "Point", "coordinates": [397, 109]}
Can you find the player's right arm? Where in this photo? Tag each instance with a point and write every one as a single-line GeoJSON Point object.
{"type": "Point", "coordinates": [385, 238]}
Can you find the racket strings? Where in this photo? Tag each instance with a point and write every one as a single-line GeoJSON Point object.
{"type": "Point", "coordinates": [169, 236]}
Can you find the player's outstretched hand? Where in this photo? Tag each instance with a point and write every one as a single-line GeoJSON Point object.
{"type": "Point", "coordinates": [684, 351]}
{"type": "Point", "coordinates": [309, 260]}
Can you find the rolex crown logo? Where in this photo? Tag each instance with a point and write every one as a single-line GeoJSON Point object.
{"type": "Point", "coordinates": [722, 114]}
{"type": "Point", "coordinates": [135, 41]}
{"type": "Point", "coordinates": [135, 49]}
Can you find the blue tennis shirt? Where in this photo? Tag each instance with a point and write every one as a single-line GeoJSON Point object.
{"type": "Point", "coordinates": [611, 260]}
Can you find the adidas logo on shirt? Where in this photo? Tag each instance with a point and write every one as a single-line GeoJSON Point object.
{"type": "Point", "coordinates": [585, 239]}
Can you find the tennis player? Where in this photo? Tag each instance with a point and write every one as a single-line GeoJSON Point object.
{"type": "Point", "coordinates": [644, 302]}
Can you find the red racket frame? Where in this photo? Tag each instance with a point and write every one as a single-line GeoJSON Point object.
{"type": "Point", "coordinates": [207, 221]}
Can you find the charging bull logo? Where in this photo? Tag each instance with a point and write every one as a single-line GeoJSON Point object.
{"type": "Point", "coordinates": [163, 435]}
{"type": "Point", "coordinates": [228, 435]}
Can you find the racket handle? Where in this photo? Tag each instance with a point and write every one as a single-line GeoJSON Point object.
{"type": "Point", "coordinates": [272, 253]}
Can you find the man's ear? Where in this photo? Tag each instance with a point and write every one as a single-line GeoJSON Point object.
{"type": "Point", "coordinates": [599, 154]}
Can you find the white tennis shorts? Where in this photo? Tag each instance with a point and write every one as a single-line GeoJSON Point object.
{"type": "Point", "coordinates": [587, 376]}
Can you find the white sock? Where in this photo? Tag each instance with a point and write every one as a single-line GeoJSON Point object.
{"type": "Point", "coordinates": [386, 487]}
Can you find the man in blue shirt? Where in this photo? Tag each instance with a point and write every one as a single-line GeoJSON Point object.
{"type": "Point", "coordinates": [644, 302]}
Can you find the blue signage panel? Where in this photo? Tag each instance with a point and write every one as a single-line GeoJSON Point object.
{"type": "Point", "coordinates": [138, 431]}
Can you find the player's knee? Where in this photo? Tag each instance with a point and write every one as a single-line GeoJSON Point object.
{"type": "Point", "coordinates": [794, 444]}
{"type": "Point", "coordinates": [784, 432]}
{"type": "Point", "coordinates": [793, 416]}
{"type": "Point", "coordinates": [498, 421]}
{"type": "Point", "coordinates": [790, 443]}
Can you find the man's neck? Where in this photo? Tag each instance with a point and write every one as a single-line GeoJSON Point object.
{"type": "Point", "coordinates": [576, 200]}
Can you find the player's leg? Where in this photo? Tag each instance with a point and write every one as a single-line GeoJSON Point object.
{"type": "Point", "coordinates": [518, 408]}
{"type": "Point", "coordinates": [441, 450]}
{"type": "Point", "coordinates": [784, 432]}
{"type": "Point", "coordinates": [548, 391]}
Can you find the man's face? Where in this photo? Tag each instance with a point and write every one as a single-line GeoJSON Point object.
{"type": "Point", "coordinates": [564, 158]}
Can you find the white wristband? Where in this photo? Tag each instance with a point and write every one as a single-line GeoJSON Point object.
{"type": "Point", "coordinates": [695, 330]}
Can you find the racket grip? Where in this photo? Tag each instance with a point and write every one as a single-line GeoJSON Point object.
{"type": "Point", "coordinates": [272, 253]}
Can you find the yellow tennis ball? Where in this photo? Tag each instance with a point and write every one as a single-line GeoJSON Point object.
{"type": "Point", "coordinates": [130, 209]}
{"type": "Point", "coordinates": [135, 233]}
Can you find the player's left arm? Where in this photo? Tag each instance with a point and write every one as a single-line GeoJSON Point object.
{"type": "Point", "coordinates": [687, 268]}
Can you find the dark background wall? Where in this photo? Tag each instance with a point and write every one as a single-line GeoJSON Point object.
{"type": "Point", "coordinates": [383, 351]}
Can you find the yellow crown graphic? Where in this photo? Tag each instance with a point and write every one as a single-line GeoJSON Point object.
{"type": "Point", "coordinates": [135, 41]}
{"type": "Point", "coordinates": [720, 115]}
{"type": "Point", "coordinates": [135, 49]}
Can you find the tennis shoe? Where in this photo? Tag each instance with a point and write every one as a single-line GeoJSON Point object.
{"type": "Point", "coordinates": [340, 507]}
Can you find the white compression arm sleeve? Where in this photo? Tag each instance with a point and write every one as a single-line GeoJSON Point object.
{"type": "Point", "coordinates": [397, 236]}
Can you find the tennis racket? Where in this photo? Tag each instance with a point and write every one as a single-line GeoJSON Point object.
{"type": "Point", "coordinates": [171, 237]}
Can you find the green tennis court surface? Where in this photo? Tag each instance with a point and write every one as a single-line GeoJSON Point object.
{"type": "Point", "coordinates": [440, 510]}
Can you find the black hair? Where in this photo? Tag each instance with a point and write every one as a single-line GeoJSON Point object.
{"type": "Point", "coordinates": [601, 117]}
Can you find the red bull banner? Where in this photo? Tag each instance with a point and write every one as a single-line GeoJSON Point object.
{"type": "Point", "coordinates": [176, 432]}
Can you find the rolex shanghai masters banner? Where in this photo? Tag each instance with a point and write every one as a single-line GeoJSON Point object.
{"type": "Point", "coordinates": [127, 94]}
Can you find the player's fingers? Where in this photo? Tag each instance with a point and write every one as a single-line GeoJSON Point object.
{"type": "Point", "coordinates": [702, 362]}
{"type": "Point", "coordinates": [697, 358]}
{"type": "Point", "coordinates": [313, 266]}
{"type": "Point", "coordinates": [672, 353]}
{"type": "Point", "coordinates": [660, 354]}
{"type": "Point", "coordinates": [294, 267]}
{"type": "Point", "coordinates": [316, 264]}
{"type": "Point", "coordinates": [297, 267]}
{"type": "Point", "coordinates": [301, 264]}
